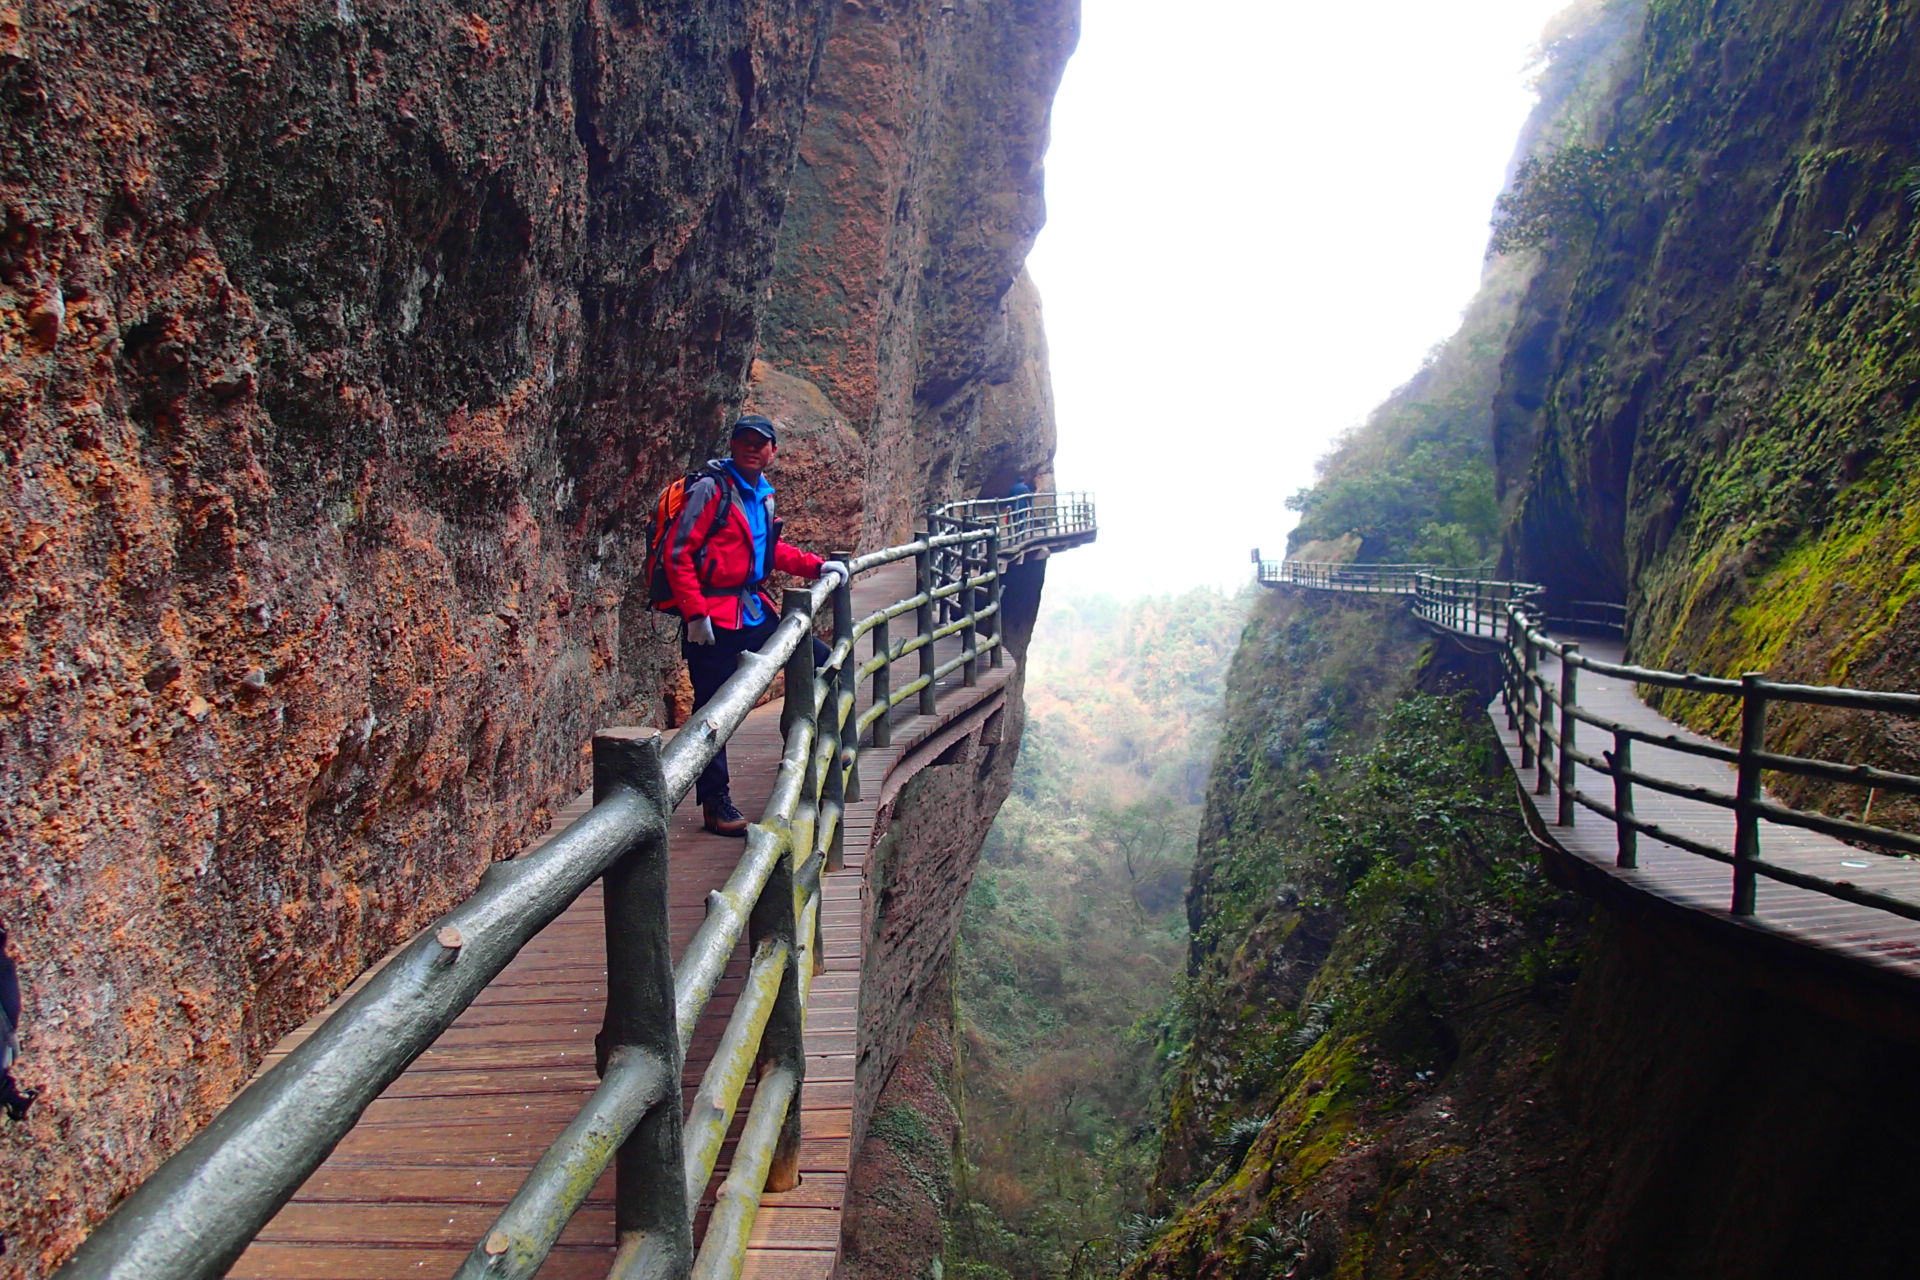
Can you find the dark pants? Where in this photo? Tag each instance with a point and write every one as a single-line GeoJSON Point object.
{"type": "Point", "coordinates": [708, 667]}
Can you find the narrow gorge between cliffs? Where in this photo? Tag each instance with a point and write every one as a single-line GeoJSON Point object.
{"type": "Point", "coordinates": [1211, 917]}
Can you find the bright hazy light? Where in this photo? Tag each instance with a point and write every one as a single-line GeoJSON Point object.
{"type": "Point", "coordinates": [1262, 214]}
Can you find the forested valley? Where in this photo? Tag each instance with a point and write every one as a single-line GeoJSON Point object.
{"type": "Point", "coordinates": [1069, 980]}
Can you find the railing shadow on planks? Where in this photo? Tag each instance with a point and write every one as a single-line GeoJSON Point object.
{"type": "Point", "coordinates": [1547, 716]}
{"type": "Point", "coordinates": [201, 1208]}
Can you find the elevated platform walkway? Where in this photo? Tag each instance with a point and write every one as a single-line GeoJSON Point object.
{"type": "Point", "coordinates": [1641, 811]}
{"type": "Point", "coordinates": [1784, 914]}
{"type": "Point", "coordinates": [443, 1150]}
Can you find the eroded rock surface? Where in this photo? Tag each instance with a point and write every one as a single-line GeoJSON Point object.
{"type": "Point", "coordinates": [342, 349]}
{"type": "Point", "coordinates": [900, 290]}
{"type": "Point", "coordinates": [1708, 408]}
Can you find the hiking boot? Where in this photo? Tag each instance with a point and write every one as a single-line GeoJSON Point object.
{"type": "Point", "coordinates": [722, 818]}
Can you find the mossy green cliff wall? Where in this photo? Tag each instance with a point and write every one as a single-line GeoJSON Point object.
{"type": "Point", "coordinates": [1708, 409]}
{"type": "Point", "coordinates": [1415, 1055]}
{"type": "Point", "coordinates": [1712, 403]}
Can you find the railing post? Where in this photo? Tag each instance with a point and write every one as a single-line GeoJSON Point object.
{"type": "Point", "coordinates": [800, 669]}
{"type": "Point", "coordinates": [882, 683]}
{"type": "Point", "coordinates": [969, 633]}
{"type": "Point", "coordinates": [1746, 831]}
{"type": "Point", "coordinates": [993, 598]}
{"type": "Point", "coordinates": [798, 702]}
{"type": "Point", "coordinates": [1543, 749]}
{"type": "Point", "coordinates": [651, 1212]}
{"type": "Point", "coordinates": [781, 1045]}
{"type": "Point", "coordinates": [1529, 664]}
{"type": "Point", "coordinates": [1510, 670]}
{"type": "Point", "coordinates": [844, 765]}
{"type": "Point", "coordinates": [923, 619]}
{"type": "Point", "coordinates": [1569, 696]}
{"type": "Point", "coordinates": [1622, 761]}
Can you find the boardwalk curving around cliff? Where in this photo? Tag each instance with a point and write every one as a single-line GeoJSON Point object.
{"type": "Point", "coordinates": [1638, 809]}
{"type": "Point", "coordinates": [1884, 944]}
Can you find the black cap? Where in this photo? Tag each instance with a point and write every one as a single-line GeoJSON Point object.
{"type": "Point", "coordinates": [757, 424]}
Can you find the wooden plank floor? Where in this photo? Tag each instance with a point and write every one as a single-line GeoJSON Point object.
{"type": "Point", "coordinates": [434, 1159]}
{"type": "Point", "coordinates": [1862, 934]}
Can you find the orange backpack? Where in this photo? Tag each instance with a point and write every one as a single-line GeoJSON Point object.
{"type": "Point", "coordinates": [666, 513]}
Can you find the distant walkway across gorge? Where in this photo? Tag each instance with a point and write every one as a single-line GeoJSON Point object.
{"type": "Point", "coordinates": [535, 1084]}
{"type": "Point", "coordinates": [1636, 804]}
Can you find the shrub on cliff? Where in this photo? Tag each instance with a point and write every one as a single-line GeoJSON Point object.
{"type": "Point", "coordinates": [1564, 193]}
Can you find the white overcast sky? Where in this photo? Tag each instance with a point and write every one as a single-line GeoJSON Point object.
{"type": "Point", "coordinates": [1261, 214]}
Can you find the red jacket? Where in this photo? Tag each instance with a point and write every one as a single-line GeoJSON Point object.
{"type": "Point", "coordinates": [709, 555]}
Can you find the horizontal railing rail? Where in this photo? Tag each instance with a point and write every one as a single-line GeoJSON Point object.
{"type": "Point", "coordinates": [1547, 716]}
{"type": "Point", "coordinates": [1586, 615]}
{"type": "Point", "coordinates": [1468, 606]}
{"type": "Point", "coordinates": [195, 1215]}
{"type": "Point", "coordinates": [1022, 521]}
{"type": "Point", "coordinates": [1384, 579]}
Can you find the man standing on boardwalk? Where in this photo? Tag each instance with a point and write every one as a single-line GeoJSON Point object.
{"type": "Point", "coordinates": [718, 554]}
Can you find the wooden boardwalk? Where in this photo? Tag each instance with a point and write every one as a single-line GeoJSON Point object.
{"type": "Point", "coordinates": [436, 1157]}
{"type": "Point", "coordinates": [1884, 943]}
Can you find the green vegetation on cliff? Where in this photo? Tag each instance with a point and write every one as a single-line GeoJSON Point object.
{"type": "Point", "coordinates": [1073, 938]}
{"type": "Point", "coordinates": [1378, 966]}
{"type": "Point", "coordinates": [1704, 398]}
{"type": "Point", "coordinates": [1415, 483]}
{"type": "Point", "coordinates": [1712, 404]}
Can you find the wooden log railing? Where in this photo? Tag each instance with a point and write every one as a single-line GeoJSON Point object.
{"type": "Point", "coordinates": [199, 1210]}
{"type": "Point", "coordinates": [1557, 733]}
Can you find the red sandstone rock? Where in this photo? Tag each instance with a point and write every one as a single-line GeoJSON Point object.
{"type": "Point", "coordinates": [900, 290]}
{"type": "Point", "coordinates": [338, 349]}
{"type": "Point", "coordinates": [341, 352]}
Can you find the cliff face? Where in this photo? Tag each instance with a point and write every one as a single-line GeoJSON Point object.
{"type": "Point", "coordinates": [1705, 410]}
{"type": "Point", "coordinates": [341, 354]}
{"type": "Point", "coordinates": [906, 1117]}
{"type": "Point", "coordinates": [1376, 974]}
{"type": "Point", "coordinates": [900, 292]}
{"type": "Point", "coordinates": [1709, 410]}
{"type": "Point", "coordinates": [1413, 1056]}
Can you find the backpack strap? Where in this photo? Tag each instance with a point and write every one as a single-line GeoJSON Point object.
{"type": "Point", "coordinates": [722, 508]}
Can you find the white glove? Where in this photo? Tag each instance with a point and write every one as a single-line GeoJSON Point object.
{"type": "Point", "coordinates": [700, 630]}
{"type": "Point", "coordinates": [838, 567]}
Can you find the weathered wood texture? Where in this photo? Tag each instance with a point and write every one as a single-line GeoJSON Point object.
{"type": "Point", "coordinates": [411, 1189]}
{"type": "Point", "coordinates": [1877, 939]}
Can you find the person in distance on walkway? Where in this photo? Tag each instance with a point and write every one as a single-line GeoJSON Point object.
{"type": "Point", "coordinates": [718, 555]}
